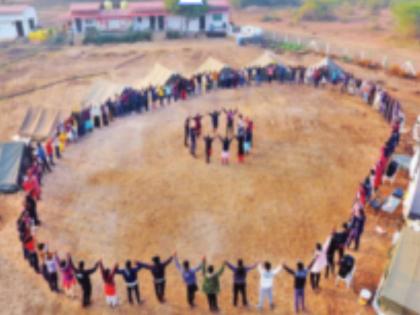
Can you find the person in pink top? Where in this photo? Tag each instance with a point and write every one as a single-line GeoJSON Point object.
{"type": "Point", "coordinates": [319, 263]}
{"type": "Point", "coordinates": [68, 280]}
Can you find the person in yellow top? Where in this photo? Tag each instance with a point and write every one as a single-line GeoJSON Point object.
{"type": "Point", "coordinates": [161, 95]}
{"type": "Point", "coordinates": [62, 138]}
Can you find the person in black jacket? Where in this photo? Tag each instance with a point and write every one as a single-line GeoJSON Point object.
{"type": "Point", "coordinates": [130, 277]}
{"type": "Point", "coordinates": [239, 280]}
{"type": "Point", "coordinates": [342, 237]}
{"type": "Point", "coordinates": [30, 206]}
{"type": "Point", "coordinates": [83, 277]}
{"type": "Point", "coordinates": [158, 272]}
{"type": "Point", "coordinates": [208, 141]}
{"type": "Point", "coordinates": [215, 119]}
{"type": "Point", "coordinates": [187, 129]}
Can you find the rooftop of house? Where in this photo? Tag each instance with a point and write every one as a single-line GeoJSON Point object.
{"type": "Point", "coordinates": [13, 9]}
{"type": "Point", "coordinates": [146, 6]}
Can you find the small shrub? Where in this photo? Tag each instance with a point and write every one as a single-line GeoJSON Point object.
{"type": "Point", "coordinates": [99, 38]}
{"type": "Point", "coordinates": [174, 35]}
{"type": "Point", "coordinates": [270, 18]}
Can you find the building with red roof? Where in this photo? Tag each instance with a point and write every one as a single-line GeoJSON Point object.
{"type": "Point", "coordinates": [16, 21]}
{"type": "Point", "coordinates": [148, 15]}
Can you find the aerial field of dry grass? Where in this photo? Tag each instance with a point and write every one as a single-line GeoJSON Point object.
{"type": "Point", "coordinates": [133, 191]}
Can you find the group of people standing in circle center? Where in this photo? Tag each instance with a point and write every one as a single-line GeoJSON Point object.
{"type": "Point", "coordinates": [193, 130]}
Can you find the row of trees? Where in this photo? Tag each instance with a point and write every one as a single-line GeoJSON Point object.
{"type": "Point", "coordinates": [405, 12]}
{"type": "Point", "coordinates": [246, 3]}
{"type": "Point", "coordinates": [407, 15]}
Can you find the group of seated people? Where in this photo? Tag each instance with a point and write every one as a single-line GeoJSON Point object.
{"type": "Point", "coordinates": [54, 268]}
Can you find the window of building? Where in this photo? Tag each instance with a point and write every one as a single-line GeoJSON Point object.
{"type": "Point", "coordinates": [217, 17]}
{"type": "Point", "coordinates": [89, 22]}
{"type": "Point", "coordinates": [138, 19]}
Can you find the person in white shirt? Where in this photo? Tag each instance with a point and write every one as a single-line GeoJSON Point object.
{"type": "Point", "coordinates": [267, 276]}
{"type": "Point", "coordinates": [319, 263]}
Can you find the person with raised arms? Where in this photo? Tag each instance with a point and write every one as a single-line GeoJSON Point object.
{"type": "Point", "coordinates": [83, 278]}
{"type": "Point", "coordinates": [110, 290]}
{"type": "Point", "coordinates": [267, 275]}
{"type": "Point", "coordinates": [211, 285]}
{"type": "Point", "coordinates": [158, 272]}
{"type": "Point", "coordinates": [129, 273]}
{"type": "Point", "coordinates": [300, 275]}
{"type": "Point", "coordinates": [239, 280]}
{"type": "Point", "coordinates": [226, 141]}
{"type": "Point", "coordinates": [189, 277]}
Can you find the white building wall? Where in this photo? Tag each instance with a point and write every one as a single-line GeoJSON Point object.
{"type": "Point", "coordinates": [182, 24]}
{"type": "Point", "coordinates": [172, 23]}
{"type": "Point", "coordinates": [141, 24]}
{"type": "Point", "coordinates": [193, 25]}
{"type": "Point", "coordinates": [8, 29]}
{"type": "Point", "coordinates": [175, 23]}
{"type": "Point", "coordinates": [213, 24]}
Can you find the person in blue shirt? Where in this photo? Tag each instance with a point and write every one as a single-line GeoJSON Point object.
{"type": "Point", "coordinates": [239, 280]}
{"type": "Point", "coordinates": [42, 155]}
{"type": "Point", "coordinates": [129, 273]}
{"type": "Point", "coordinates": [189, 277]}
{"type": "Point", "coordinates": [300, 281]}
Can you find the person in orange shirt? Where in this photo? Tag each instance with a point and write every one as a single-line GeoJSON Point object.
{"type": "Point", "coordinates": [31, 254]}
{"type": "Point", "coordinates": [110, 289]}
{"type": "Point", "coordinates": [49, 149]}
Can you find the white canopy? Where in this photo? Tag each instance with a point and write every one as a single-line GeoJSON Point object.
{"type": "Point", "coordinates": [157, 77]}
{"type": "Point", "coordinates": [211, 65]}
{"type": "Point", "coordinates": [266, 59]}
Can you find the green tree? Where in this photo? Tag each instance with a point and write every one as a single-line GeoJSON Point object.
{"type": "Point", "coordinates": [321, 10]}
{"type": "Point", "coordinates": [189, 11]}
{"type": "Point", "coordinates": [407, 15]}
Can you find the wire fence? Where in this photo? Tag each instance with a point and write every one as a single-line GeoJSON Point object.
{"type": "Point", "coordinates": [367, 57]}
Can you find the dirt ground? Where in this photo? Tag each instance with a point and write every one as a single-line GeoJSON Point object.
{"type": "Point", "coordinates": [132, 190]}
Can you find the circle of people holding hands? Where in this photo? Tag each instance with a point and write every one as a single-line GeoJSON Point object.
{"type": "Point", "coordinates": [193, 130]}
{"type": "Point", "coordinates": [62, 274]}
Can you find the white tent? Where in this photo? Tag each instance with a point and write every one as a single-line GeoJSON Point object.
{"type": "Point", "coordinates": [264, 60]}
{"type": "Point", "coordinates": [157, 77]}
{"type": "Point", "coordinates": [101, 91]}
{"type": "Point", "coordinates": [211, 65]}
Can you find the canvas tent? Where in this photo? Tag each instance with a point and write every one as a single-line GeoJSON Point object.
{"type": "Point", "coordinates": [12, 156]}
{"type": "Point", "coordinates": [157, 77]}
{"type": "Point", "coordinates": [101, 91]}
{"type": "Point", "coordinates": [400, 288]}
{"type": "Point", "coordinates": [211, 65]}
{"type": "Point", "coordinates": [39, 123]}
{"type": "Point", "coordinates": [335, 72]}
{"type": "Point", "coordinates": [266, 59]}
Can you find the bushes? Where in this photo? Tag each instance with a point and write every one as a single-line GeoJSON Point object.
{"type": "Point", "coordinates": [271, 18]}
{"type": "Point", "coordinates": [99, 38]}
{"type": "Point", "coordinates": [291, 47]}
{"type": "Point", "coordinates": [246, 3]}
{"type": "Point", "coordinates": [174, 35]}
{"type": "Point", "coordinates": [317, 10]}
{"type": "Point", "coordinates": [407, 15]}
